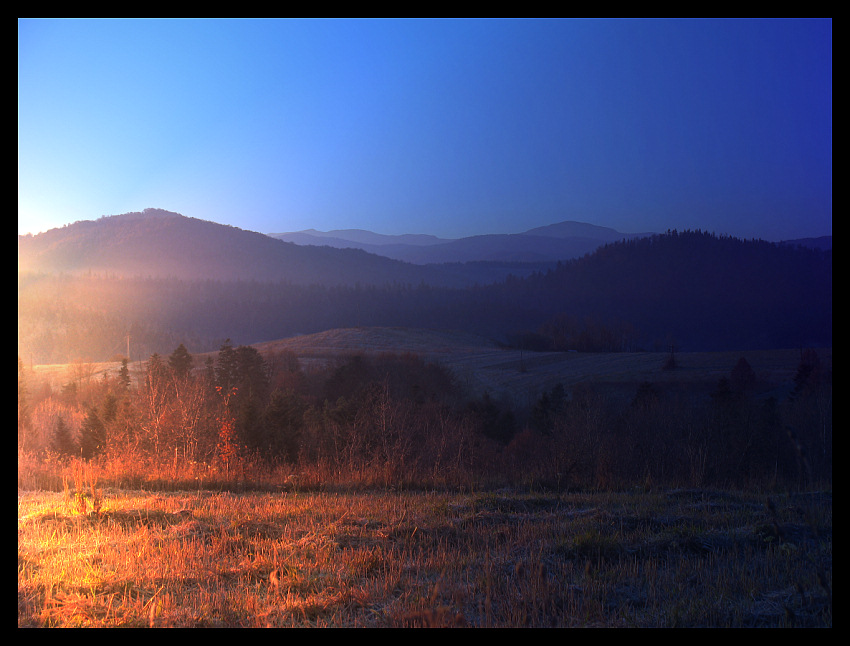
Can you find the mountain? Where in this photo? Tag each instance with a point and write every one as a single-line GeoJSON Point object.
{"type": "Point", "coordinates": [691, 289]}
{"type": "Point", "coordinates": [160, 243]}
{"type": "Point", "coordinates": [573, 229]}
{"type": "Point", "coordinates": [552, 243]}
{"type": "Point", "coordinates": [358, 236]}
{"type": "Point", "coordinates": [164, 279]}
{"type": "Point", "coordinates": [824, 243]}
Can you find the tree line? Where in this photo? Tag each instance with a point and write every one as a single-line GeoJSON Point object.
{"type": "Point", "coordinates": [397, 420]}
{"type": "Point", "coordinates": [699, 290]}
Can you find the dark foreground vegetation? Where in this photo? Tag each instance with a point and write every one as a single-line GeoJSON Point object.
{"type": "Point", "coordinates": [394, 420]}
{"type": "Point", "coordinates": [248, 489]}
{"type": "Point", "coordinates": [695, 290]}
{"type": "Point", "coordinates": [374, 490]}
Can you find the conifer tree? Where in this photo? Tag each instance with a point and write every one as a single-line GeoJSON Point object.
{"type": "Point", "coordinates": [180, 362]}
{"type": "Point", "coordinates": [225, 367]}
{"type": "Point", "coordinates": [62, 442]}
{"type": "Point", "coordinates": [124, 374]}
{"type": "Point", "coordinates": [743, 377]}
{"type": "Point", "coordinates": [92, 435]}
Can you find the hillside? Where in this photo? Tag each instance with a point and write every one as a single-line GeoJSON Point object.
{"type": "Point", "coordinates": [691, 290]}
{"type": "Point", "coordinates": [561, 241]}
{"type": "Point", "coordinates": [159, 243]}
{"type": "Point", "coordinates": [515, 375]}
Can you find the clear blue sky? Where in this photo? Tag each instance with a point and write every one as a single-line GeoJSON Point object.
{"type": "Point", "coordinates": [448, 127]}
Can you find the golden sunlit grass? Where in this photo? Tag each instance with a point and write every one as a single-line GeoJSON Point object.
{"type": "Point", "coordinates": [686, 558]}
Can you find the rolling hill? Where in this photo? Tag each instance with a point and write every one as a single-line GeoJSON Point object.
{"type": "Point", "coordinates": [552, 243]}
{"type": "Point", "coordinates": [512, 374]}
{"type": "Point", "coordinates": [163, 244]}
{"type": "Point", "coordinates": [163, 279]}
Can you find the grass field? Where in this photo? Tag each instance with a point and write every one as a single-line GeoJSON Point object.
{"type": "Point", "coordinates": [314, 555]}
{"type": "Point", "coordinates": [508, 373]}
{"type": "Point", "coordinates": [686, 558]}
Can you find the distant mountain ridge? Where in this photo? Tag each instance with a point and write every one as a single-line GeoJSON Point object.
{"type": "Point", "coordinates": [160, 243]}
{"type": "Point", "coordinates": [560, 241]}
{"type": "Point", "coordinates": [165, 279]}
{"type": "Point", "coordinates": [547, 244]}
{"type": "Point", "coordinates": [163, 244]}
{"type": "Point", "coordinates": [362, 236]}
{"type": "Point", "coordinates": [824, 243]}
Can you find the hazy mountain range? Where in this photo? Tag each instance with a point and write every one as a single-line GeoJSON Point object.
{"type": "Point", "coordinates": [165, 279]}
{"type": "Point", "coordinates": [160, 243]}
{"type": "Point", "coordinates": [552, 243]}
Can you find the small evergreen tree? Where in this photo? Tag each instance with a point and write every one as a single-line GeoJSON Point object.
{"type": "Point", "coordinates": [209, 370]}
{"type": "Point", "coordinates": [92, 435]}
{"type": "Point", "coordinates": [284, 419]}
{"type": "Point", "coordinates": [61, 442]}
{"type": "Point", "coordinates": [251, 373]}
{"type": "Point", "coordinates": [494, 421]}
{"type": "Point", "coordinates": [109, 409]}
{"type": "Point", "coordinates": [225, 367]}
{"type": "Point", "coordinates": [180, 362]}
{"type": "Point", "coordinates": [124, 374]}
{"type": "Point", "coordinates": [742, 378]}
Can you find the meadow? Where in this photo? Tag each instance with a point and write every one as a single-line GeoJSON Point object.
{"type": "Point", "coordinates": [645, 497]}
{"type": "Point", "coordinates": [506, 558]}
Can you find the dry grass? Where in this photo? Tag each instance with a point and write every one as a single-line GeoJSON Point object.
{"type": "Point", "coordinates": [381, 559]}
{"type": "Point", "coordinates": [483, 366]}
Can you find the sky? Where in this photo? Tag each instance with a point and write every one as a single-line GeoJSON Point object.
{"type": "Point", "coordinates": [446, 127]}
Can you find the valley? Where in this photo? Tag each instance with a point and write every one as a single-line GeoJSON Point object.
{"type": "Point", "coordinates": [481, 365]}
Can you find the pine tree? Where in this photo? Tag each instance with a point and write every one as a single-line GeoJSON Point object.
{"type": "Point", "coordinates": [180, 362]}
{"type": "Point", "coordinates": [284, 419]}
{"type": "Point", "coordinates": [251, 373]}
{"type": "Point", "coordinates": [92, 435]}
{"type": "Point", "coordinates": [743, 377]}
{"type": "Point", "coordinates": [62, 442]}
{"type": "Point", "coordinates": [124, 374]}
{"type": "Point", "coordinates": [225, 367]}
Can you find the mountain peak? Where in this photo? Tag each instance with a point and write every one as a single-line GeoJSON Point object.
{"type": "Point", "coordinates": [574, 229]}
{"type": "Point", "coordinates": [147, 214]}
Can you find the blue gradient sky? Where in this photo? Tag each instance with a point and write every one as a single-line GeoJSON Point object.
{"type": "Point", "coordinates": [448, 127]}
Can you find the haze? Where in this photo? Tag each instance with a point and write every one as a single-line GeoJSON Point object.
{"type": "Point", "coordinates": [446, 127]}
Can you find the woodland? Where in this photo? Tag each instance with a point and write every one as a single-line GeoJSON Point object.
{"type": "Point", "coordinates": [174, 470]}
{"type": "Point", "coordinates": [242, 419]}
{"type": "Point", "coordinates": [724, 293]}
{"type": "Point", "coordinates": [403, 419]}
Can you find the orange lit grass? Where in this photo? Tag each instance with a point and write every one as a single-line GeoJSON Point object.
{"type": "Point", "coordinates": [422, 559]}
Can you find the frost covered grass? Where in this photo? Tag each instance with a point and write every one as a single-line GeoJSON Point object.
{"type": "Point", "coordinates": [508, 558]}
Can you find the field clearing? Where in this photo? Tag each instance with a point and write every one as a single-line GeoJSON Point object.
{"type": "Point", "coordinates": [688, 558]}
{"type": "Point", "coordinates": [521, 375]}
{"type": "Point", "coordinates": [482, 365]}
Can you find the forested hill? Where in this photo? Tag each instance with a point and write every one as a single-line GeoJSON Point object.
{"type": "Point", "coordinates": [157, 243]}
{"type": "Point", "coordinates": [694, 289]}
